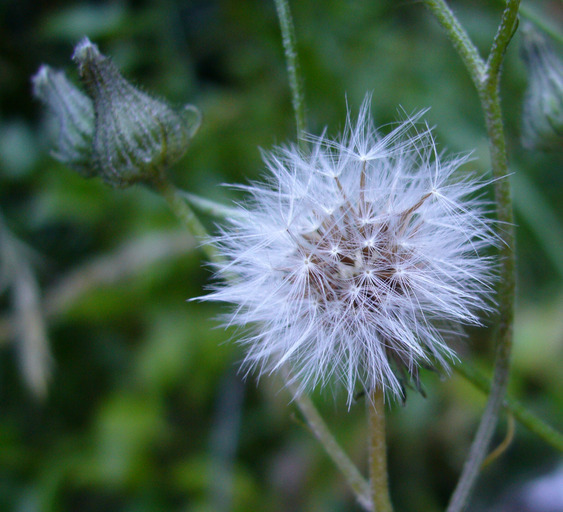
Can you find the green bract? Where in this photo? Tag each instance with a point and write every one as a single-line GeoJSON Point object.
{"type": "Point", "coordinates": [116, 131]}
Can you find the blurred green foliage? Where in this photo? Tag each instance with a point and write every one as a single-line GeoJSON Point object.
{"type": "Point", "coordinates": [145, 411]}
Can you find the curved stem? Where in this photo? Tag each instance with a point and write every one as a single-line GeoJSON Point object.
{"type": "Point", "coordinates": [378, 452]}
{"type": "Point", "coordinates": [292, 62]}
{"type": "Point", "coordinates": [502, 38]}
{"type": "Point", "coordinates": [503, 446]}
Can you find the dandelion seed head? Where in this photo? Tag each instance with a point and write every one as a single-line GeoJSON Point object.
{"type": "Point", "coordinates": [353, 256]}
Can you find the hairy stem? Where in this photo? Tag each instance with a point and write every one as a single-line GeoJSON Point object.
{"type": "Point", "coordinates": [379, 487]}
{"type": "Point", "coordinates": [503, 36]}
{"type": "Point", "coordinates": [540, 22]}
{"type": "Point", "coordinates": [292, 63]}
{"type": "Point", "coordinates": [486, 79]}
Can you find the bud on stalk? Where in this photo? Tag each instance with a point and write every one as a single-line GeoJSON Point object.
{"type": "Point", "coordinates": [116, 131]}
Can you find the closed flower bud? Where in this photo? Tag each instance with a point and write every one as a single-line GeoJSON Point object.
{"type": "Point", "coordinates": [136, 137]}
{"type": "Point", "coordinates": [542, 123]}
{"type": "Point", "coordinates": [73, 112]}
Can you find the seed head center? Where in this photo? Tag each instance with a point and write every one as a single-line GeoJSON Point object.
{"type": "Point", "coordinates": [347, 261]}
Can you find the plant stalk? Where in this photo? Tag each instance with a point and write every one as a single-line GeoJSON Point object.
{"type": "Point", "coordinates": [487, 79]}
{"type": "Point", "coordinates": [379, 486]}
{"type": "Point", "coordinates": [292, 63]}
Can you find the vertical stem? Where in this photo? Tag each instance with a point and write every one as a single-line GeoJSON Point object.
{"type": "Point", "coordinates": [487, 80]}
{"type": "Point", "coordinates": [292, 62]}
{"type": "Point", "coordinates": [506, 295]}
{"type": "Point", "coordinates": [378, 452]}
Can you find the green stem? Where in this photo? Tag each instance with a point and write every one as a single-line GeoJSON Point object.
{"type": "Point", "coordinates": [378, 452]}
{"type": "Point", "coordinates": [521, 413]}
{"type": "Point", "coordinates": [503, 36]}
{"type": "Point", "coordinates": [486, 79]}
{"type": "Point", "coordinates": [292, 62]}
{"type": "Point", "coordinates": [317, 425]}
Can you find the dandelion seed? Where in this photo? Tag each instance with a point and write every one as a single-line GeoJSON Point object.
{"type": "Point", "coordinates": [356, 260]}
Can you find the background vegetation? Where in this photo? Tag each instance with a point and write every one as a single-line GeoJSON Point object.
{"type": "Point", "coordinates": [145, 410]}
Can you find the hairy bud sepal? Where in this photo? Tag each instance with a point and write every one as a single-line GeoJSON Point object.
{"type": "Point", "coordinates": [136, 137]}
{"type": "Point", "coordinates": [73, 113]}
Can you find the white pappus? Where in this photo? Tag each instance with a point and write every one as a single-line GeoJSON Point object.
{"type": "Point", "coordinates": [357, 258]}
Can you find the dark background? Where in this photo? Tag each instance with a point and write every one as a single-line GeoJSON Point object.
{"type": "Point", "coordinates": [145, 410]}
